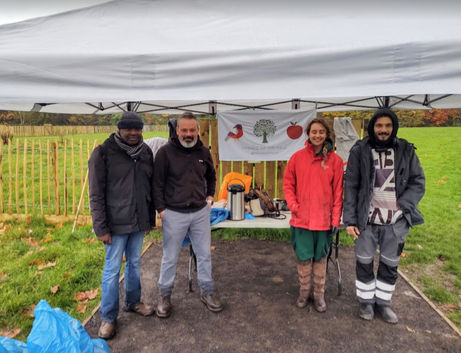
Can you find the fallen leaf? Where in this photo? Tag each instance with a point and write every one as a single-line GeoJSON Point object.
{"type": "Point", "coordinates": [459, 205]}
{"type": "Point", "coordinates": [48, 265]}
{"type": "Point", "coordinates": [428, 331]}
{"type": "Point", "coordinates": [89, 240]}
{"type": "Point", "coordinates": [403, 255]}
{"type": "Point", "coordinates": [47, 240]}
{"type": "Point", "coordinates": [81, 308]}
{"type": "Point", "coordinates": [28, 221]}
{"type": "Point", "coordinates": [11, 334]}
{"type": "Point", "coordinates": [448, 307]}
{"type": "Point", "coordinates": [54, 289]}
{"type": "Point", "coordinates": [441, 182]}
{"type": "Point", "coordinates": [36, 262]}
{"type": "Point", "coordinates": [29, 311]}
{"type": "Point", "coordinates": [444, 177]}
{"type": "Point", "coordinates": [85, 296]}
{"type": "Point", "coordinates": [410, 330]}
{"type": "Point", "coordinates": [212, 247]}
{"type": "Point", "coordinates": [419, 246]}
{"type": "Point", "coordinates": [3, 276]}
{"type": "Point", "coordinates": [58, 225]}
{"type": "Point", "coordinates": [66, 275]}
{"type": "Point", "coordinates": [30, 241]}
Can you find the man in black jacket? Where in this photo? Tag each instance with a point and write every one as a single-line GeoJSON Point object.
{"type": "Point", "coordinates": [185, 181]}
{"type": "Point", "coordinates": [122, 209]}
{"type": "Point", "coordinates": [384, 183]}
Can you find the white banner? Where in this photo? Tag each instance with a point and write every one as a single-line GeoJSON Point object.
{"type": "Point", "coordinates": [270, 135]}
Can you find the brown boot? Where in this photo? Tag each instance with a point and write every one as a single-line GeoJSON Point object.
{"type": "Point", "coordinates": [320, 271]}
{"type": "Point", "coordinates": [164, 306]}
{"type": "Point", "coordinates": [106, 330]}
{"type": "Point", "coordinates": [304, 276]}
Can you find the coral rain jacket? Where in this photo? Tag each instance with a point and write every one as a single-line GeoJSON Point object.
{"type": "Point", "coordinates": [314, 192]}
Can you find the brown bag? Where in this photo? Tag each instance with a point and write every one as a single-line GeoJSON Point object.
{"type": "Point", "coordinates": [264, 197]}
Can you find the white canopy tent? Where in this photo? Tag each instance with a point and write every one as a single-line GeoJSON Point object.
{"type": "Point", "coordinates": [170, 55]}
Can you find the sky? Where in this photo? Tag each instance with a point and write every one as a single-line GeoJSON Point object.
{"type": "Point", "coordinates": [19, 10]}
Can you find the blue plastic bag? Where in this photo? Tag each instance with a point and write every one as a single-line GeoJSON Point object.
{"type": "Point", "coordinates": [218, 215]}
{"type": "Point", "coordinates": [55, 331]}
{"type": "Point", "coordinates": [9, 345]}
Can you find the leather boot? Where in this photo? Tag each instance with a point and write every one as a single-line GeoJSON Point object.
{"type": "Point", "coordinates": [106, 330]}
{"type": "Point", "coordinates": [320, 272]}
{"type": "Point", "coordinates": [164, 306]}
{"type": "Point", "coordinates": [304, 276]}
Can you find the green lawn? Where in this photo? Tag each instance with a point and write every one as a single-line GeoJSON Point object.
{"type": "Point", "coordinates": [432, 253]}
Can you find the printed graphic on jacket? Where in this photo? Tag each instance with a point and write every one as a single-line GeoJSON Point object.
{"type": "Point", "coordinates": [384, 208]}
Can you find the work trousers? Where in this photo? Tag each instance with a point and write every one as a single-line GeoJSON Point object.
{"type": "Point", "coordinates": [390, 239]}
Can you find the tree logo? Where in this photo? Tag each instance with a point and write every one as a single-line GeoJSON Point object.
{"type": "Point", "coordinates": [264, 128]}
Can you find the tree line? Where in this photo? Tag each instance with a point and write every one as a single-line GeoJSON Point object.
{"type": "Point", "coordinates": [409, 118]}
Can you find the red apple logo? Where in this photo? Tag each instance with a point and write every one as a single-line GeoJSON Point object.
{"type": "Point", "coordinates": [294, 131]}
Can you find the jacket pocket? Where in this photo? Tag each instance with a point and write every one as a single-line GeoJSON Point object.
{"type": "Point", "coordinates": [121, 214]}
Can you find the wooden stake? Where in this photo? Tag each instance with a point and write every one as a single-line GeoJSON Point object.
{"type": "Point", "coordinates": [48, 166]}
{"type": "Point", "coordinates": [24, 176]}
{"type": "Point", "coordinates": [32, 173]}
{"type": "Point", "coordinates": [54, 156]}
{"type": "Point", "coordinates": [10, 180]}
{"type": "Point", "coordinates": [73, 175]}
{"type": "Point", "coordinates": [17, 177]}
{"type": "Point", "coordinates": [65, 177]}
{"type": "Point", "coordinates": [1, 177]}
{"type": "Point", "coordinates": [82, 194]}
{"type": "Point", "coordinates": [41, 176]}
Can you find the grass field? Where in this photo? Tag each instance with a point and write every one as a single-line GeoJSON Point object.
{"type": "Point", "coordinates": [42, 261]}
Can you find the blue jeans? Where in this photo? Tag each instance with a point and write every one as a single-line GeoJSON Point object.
{"type": "Point", "coordinates": [175, 227]}
{"type": "Point", "coordinates": [130, 245]}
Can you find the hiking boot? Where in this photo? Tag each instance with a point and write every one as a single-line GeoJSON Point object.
{"type": "Point", "coordinates": [320, 272]}
{"type": "Point", "coordinates": [212, 303]}
{"type": "Point", "coordinates": [164, 306]}
{"type": "Point", "coordinates": [319, 303]}
{"type": "Point", "coordinates": [142, 309]}
{"type": "Point", "coordinates": [301, 302]}
{"type": "Point", "coordinates": [366, 311]}
{"type": "Point", "coordinates": [305, 282]}
{"type": "Point", "coordinates": [387, 314]}
{"type": "Point", "coordinates": [106, 330]}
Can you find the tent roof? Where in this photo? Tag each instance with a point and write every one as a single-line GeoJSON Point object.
{"type": "Point", "coordinates": [170, 53]}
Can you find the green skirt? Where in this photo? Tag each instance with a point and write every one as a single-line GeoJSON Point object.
{"type": "Point", "coordinates": [309, 244]}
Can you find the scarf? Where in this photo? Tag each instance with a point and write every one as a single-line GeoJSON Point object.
{"type": "Point", "coordinates": [133, 151]}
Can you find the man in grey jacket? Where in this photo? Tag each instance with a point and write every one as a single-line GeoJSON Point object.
{"type": "Point", "coordinates": [122, 208]}
{"type": "Point", "coordinates": [384, 183]}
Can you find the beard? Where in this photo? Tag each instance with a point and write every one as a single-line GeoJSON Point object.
{"type": "Point", "coordinates": [187, 142]}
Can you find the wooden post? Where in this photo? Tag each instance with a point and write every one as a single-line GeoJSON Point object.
{"type": "Point", "coordinates": [248, 170]}
{"type": "Point", "coordinates": [280, 170]}
{"type": "Point", "coordinates": [41, 176]}
{"type": "Point", "coordinates": [32, 173]}
{"type": "Point", "coordinates": [54, 155]}
{"type": "Point", "coordinates": [48, 167]}
{"type": "Point", "coordinates": [17, 176]}
{"type": "Point", "coordinates": [65, 177]}
{"type": "Point", "coordinates": [73, 175]}
{"type": "Point", "coordinates": [2, 208]}
{"type": "Point", "coordinates": [81, 171]}
{"type": "Point", "coordinates": [82, 194]}
{"type": "Point", "coordinates": [270, 178]}
{"type": "Point", "coordinates": [10, 179]}
{"type": "Point", "coordinates": [24, 177]}
{"type": "Point", "coordinates": [205, 132]}
{"type": "Point", "coordinates": [215, 154]}
{"type": "Point", "coordinates": [259, 174]}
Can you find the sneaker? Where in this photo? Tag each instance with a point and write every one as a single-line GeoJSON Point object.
{"type": "Point", "coordinates": [366, 311]}
{"type": "Point", "coordinates": [106, 330]}
{"type": "Point", "coordinates": [387, 314]}
{"type": "Point", "coordinates": [142, 309]}
{"type": "Point", "coordinates": [164, 306]}
{"type": "Point", "coordinates": [212, 303]}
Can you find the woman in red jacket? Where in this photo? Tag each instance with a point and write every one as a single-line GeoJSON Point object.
{"type": "Point", "coordinates": [313, 185]}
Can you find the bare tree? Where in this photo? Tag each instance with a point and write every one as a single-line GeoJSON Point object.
{"type": "Point", "coordinates": [264, 128]}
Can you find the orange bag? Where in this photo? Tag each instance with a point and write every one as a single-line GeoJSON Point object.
{"type": "Point", "coordinates": [234, 178]}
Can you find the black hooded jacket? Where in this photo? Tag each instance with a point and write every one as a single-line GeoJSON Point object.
{"type": "Point", "coordinates": [184, 177]}
{"type": "Point", "coordinates": [360, 174]}
{"type": "Point", "coordinates": [121, 193]}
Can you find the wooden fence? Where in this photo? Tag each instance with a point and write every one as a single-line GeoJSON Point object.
{"type": "Point", "coordinates": [45, 176]}
{"type": "Point", "coordinates": [52, 130]}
